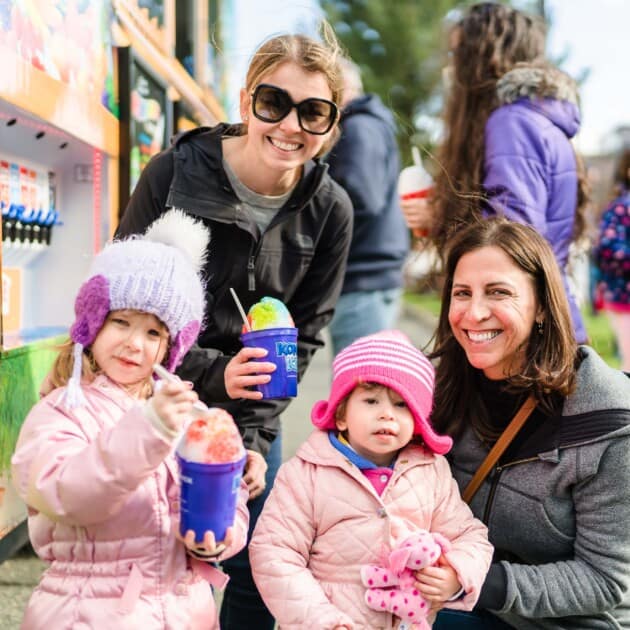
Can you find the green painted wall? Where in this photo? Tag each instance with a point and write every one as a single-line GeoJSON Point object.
{"type": "Point", "coordinates": [21, 372]}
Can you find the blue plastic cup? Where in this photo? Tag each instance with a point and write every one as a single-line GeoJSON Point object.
{"type": "Point", "coordinates": [281, 346]}
{"type": "Point", "coordinates": [209, 493]}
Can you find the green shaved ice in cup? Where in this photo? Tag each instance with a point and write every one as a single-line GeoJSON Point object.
{"type": "Point", "coordinates": [271, 327]}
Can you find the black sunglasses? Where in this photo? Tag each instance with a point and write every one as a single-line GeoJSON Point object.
{"type": "Point", "coordinates": [315, 115]}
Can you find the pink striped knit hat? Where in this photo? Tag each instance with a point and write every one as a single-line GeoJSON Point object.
{"type": "Point", "coordinates": [387, 358]}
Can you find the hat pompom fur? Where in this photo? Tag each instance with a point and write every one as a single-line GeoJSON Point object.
{"type": "Point", "coordinates": [158, 273]}
{"type": "Point", "coordinates": [182, 231]}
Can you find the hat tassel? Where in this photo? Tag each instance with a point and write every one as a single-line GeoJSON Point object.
{"type": "Point", "coordinates": [73, 396]}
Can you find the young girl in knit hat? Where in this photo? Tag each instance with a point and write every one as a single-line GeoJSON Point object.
{"type": "Point", "coordinates": [94, 460]}
{"type": "Point", "coordinates": [370, 476]}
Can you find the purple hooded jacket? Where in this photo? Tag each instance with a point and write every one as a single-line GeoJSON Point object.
{"type": "Point", "coordinates": [530, 168]}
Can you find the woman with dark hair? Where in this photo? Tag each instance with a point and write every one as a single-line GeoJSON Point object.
{"type": "Point", "coordinates": [612, 256]}
{"type": "Point", "coordinates": [508, 123]}
{"type": "Point", "coordinates": [557, 499]}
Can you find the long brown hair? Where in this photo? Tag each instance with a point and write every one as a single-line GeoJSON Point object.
{"type": "Point", "coordinates": [62, 367]}
{"type": "Point", "coordinates": [487, 42]}
{"type": "Point", "coordinates": [549, 369]}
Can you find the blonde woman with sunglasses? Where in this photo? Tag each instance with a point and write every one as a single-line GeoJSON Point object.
{"type": "Point", "coordinates": [280, 227]}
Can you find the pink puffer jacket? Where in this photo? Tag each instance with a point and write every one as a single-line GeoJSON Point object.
{"type": "Point", "coordinates": [323, 520]}
{"type": "Point", "coordinates": [102, 488]}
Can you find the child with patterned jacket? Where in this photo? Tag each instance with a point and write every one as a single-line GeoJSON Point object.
{"type": "Point", "coordinates": [612, 257]}
{"type": "Point", "coordinates": [95, 457]}
{"type": "Point", "coordinates": [371, 475]}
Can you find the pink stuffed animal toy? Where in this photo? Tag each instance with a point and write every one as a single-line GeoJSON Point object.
{"type": "Point", "coordinates": [392, 588]}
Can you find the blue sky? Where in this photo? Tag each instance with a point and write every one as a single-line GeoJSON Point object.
{"type": "Point", "coordinates": [251, 23]}
{"type": "Point", "coordinates": [591, 34]}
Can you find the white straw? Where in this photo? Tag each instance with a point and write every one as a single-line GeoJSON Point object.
{"type": "Point", "coordinates": [241, 310]}
{"type": "Point", "coordinates": [165, 375]}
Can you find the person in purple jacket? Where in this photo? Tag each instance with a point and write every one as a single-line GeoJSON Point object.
{"type": "Point", "coordinates": [509, 119]}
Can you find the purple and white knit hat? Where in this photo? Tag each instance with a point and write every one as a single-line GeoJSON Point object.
{"type": "Point", "coordinates": [158, 273]}
{"type": "Point", "coordinates": [387, 358]}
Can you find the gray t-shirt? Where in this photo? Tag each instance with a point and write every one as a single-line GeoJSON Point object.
{"type": "Point", "coordinates": [262, 208]}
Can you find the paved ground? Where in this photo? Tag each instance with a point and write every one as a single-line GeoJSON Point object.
{"type": "Point", "coordinates": [21, 573]}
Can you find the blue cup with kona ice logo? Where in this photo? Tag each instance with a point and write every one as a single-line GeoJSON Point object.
{"type": "Point", "coordinates": [281, 346]}
{"type": "Point", "coordinates": [209, 493]}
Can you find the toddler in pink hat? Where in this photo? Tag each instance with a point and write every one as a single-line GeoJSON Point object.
{"type": "Point", "coordinates": [372, 474]}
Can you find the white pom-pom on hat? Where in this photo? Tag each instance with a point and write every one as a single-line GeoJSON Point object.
{"type": "Point", "coordinates": [178, 229]}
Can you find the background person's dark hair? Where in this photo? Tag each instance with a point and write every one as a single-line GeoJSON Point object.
{"type": "Point", "coordinates": [549, 371]}
{"type": "Point", "coordinates": [488, 41]}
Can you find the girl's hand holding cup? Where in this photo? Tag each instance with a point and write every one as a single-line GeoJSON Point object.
{"type": "Point", "coordinates": [211, 459]}
{"type": "Point", "coordinates": [208, 548]}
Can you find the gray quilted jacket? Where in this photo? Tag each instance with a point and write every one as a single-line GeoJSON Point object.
{"type": "Point", "coordinates": [559, 516]}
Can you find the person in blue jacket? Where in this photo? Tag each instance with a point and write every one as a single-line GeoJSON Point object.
{"type": "Point", "coordinates": [365, 162]}
{"type": "Point", "coordinates": [509, 119]}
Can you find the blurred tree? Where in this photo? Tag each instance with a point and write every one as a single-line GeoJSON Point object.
{"type": "Point", "coordinates": [401, 50]}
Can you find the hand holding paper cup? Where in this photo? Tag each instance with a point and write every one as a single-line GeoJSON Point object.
{"type": "Point", "coordinates": [270, 326]}
{"type": "Point", "coordinates": [414, 182]}
{"type": "Point", "coordinates": [211, 458]}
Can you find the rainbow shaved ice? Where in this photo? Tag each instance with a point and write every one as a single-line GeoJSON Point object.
{"type": "Point", "coordinates": [212, 439]}
{"type": "Point", "coordinates": [269, 313]}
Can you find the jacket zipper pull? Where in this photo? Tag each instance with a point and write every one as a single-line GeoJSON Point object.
{"type": "Point", "coordinates": [251, 279]}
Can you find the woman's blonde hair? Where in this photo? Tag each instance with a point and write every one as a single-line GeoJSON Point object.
{"type": "Point", "coordinates": [62, 367]}
{"type": "Point", "coordinates": [307, 53]}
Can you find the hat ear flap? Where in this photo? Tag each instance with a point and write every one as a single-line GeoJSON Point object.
{"type": "Point", "coordinates": [91, 308]}
{"type": "Point", "coordinates": [182, 344]}
{"type": "Point", "coordinates": [319, 414]}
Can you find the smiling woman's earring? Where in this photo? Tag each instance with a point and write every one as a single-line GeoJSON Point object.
{"type": "Point", "coordinates": [541, 327]}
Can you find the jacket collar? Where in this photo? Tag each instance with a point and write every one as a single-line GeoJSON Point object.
{"type": "Point", "coordinates": [207, 140]}
{"type": "Point", "coordinates": [544, 90]}
{"type": "Point", "coordinates": [111, 390]}
{"type": "Point", "coordinates": [536, 81]}
{"type": "Point", "coordinates": [319, 451]}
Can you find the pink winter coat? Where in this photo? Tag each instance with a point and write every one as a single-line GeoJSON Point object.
{"type": "Point", "coordinates": [102, 487]}
{"type": "Point", "coordinates": [323, 520]}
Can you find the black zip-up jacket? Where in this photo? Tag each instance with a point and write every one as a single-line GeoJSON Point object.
{"type": "Point", "coordinates": [300, 259]}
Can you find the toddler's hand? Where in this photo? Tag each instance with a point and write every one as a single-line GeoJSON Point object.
{"type": "Point", "coordinates": [208, 548]}
{"type": "Point", "coordinates": [438, 583]}
{"type": "Point", "coordinates": [254, 477]}
{"type": "Point", "coordinates": [241, 372]}
{"type": "Point", "coordinates": [173, 403]}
